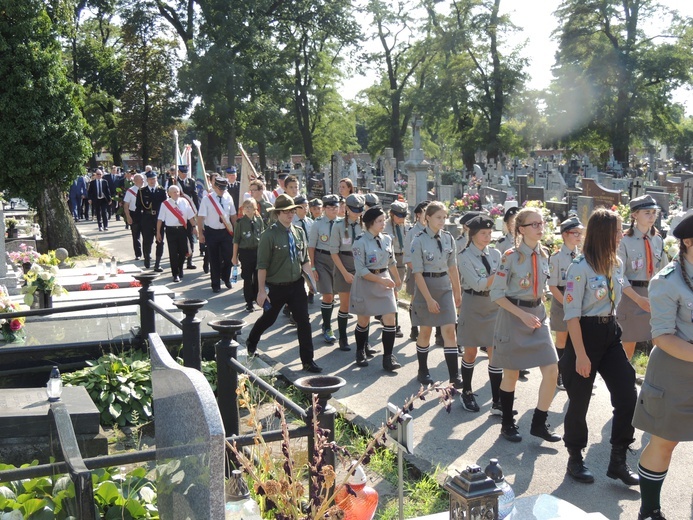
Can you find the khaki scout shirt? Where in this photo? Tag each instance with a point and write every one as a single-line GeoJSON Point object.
{"type": "Point", "coordinates": [587, 293]}
{"type": "Point", "coordinates": [428, 257]}
{"type": "Point", "coordinates": [408, 237]}
{"type": "Point", "coordinates": [505, 242]}
{"type": "Point", "coordinates": [247, 232]}
{"type": "Point", "coordinates": [515, 278]}
{"type": "Point", "coordinates": [473, 274]}
{"type": "Point", "coordinates": [632, 253]}
{"type": "Point", "coordinates": [273, 253]}
{"type": "Point", "coordinates": [343, 235]}
{"type": "Point", "coordinates": [558, 266]}
{"type": "Point", "coordinates": [372, 252]}
{"type": "Point", "coordinates": [671, 302]}
{"type": "Point", "coordinates": [320, 231]}
{"type": "Point", "coordinates": [391, 231]}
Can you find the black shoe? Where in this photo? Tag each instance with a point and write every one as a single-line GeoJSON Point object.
{"type": "Point", "coordinates": [191, 266]}
{"type": "Point", "coordinates": [424, 377]}
{"type": "Point", "coordinates": [180, 275]}
{"type": "Point", "coordinates": [559, 382]}
{"type": "Point", "coordinates": [251, 347]}
{"type": "Point", "coordinates": [483, 349]}
{"type": "Point", "coordinates": [227, 283]}
{"type": "Point", "coordinates": [524, 373]}
{"type": "Point", "coordinates": [457, 383]}
{"type": "Point", "coordinates": [137, 259]}
{"type": "Point", "coordinates": [654, 515]}
{"type": "Point", "coordinates": [578, 471]}
{"type": "Point", "coordinates": [216, 290]}
{"type": "Point", "coordinates": [398, 332]}
{"type": "Point", "coordinates": [292, 321]}
{"type": "Point", "coordinates": [390, 363]}
{"type": "Point", "coordinates": [249, 307]}
{"type": "Point", "coordinates": [361, 359]}
{"type": "Point", "coordinates": [468, 402]}
{"type": "Point", "coordinates": [460, 350]}
{"type": "Point", "coordinates": [105, 229]}
{"type": "Point", "coordinates": [100, 228]}
{"type": "Point", "coordinates": [542, 431]}
{"type": "Point", "coordinates": [176, 279]}
{"type": "Point", "coordinates": [370, 352]}
{"type": "Point", "coordinates": [344, 344]}
{"type": "Point", "coordinates": [312, 367]}
{"type": "Point", "coordinates": [158, 269]}
{"type": "Point", "coordinates": [205, 267]}
{"type": "Point", "coordinates": [619, 469]}
{"type": "Point", "coordinates": [147, 263]}
{"type": "Point", "coordinates": [439, 341]}
{"type": "Point", "coordinates": [511, 433]}
{"type": "Point", "coordinates": [286, 311]}
{"type": "Point", "coordinates": [414, 335]}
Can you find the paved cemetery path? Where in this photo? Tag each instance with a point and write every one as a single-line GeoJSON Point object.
{"type": "Point", "coordinates": [452, 440]}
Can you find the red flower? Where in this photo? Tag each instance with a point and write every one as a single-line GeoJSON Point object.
{"type": "Point", "coordinates": [15, 325]}
{"type": "Point", "coordinates": [135, 283]}
{"type": "Point", "coordinates": [120, 271]}
{"type": "Point", "coordinates": [111, 286]}
{"type": "Point", "coordinates": [85, 287]}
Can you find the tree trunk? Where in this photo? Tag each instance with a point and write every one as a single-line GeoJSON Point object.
{"type": "Point", "coordinates": [302, 107]}
{"type": "Point", "coordinates": [262, 154]}
{"type": "Point", "coordinates": [57, 226]}
{"type": "Point", "coordinates": [496, 90]}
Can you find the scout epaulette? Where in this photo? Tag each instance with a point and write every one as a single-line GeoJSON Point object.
{"type": "Point", "coordinates": [668, 269]}
{"type": "Point", "coordinates": [577, 259]}
{"type": "Point", "coordinates": [509, 252]}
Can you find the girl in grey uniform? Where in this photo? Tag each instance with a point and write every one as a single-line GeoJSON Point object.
{"type": "Point", "coordinates": [508, 240]}
{"type": "Point", "coordinates": [418, 226]}
{"type": "Point", "coordinates": [322, 263]}
{"type": "Point", "coordinates": [521, 338]}
{"type": "Point", "coordinates": [477, 265]}
{"type": "Point", "coordinates": [344, 232]}
{"type": "Point", "coordinates": [571, 231]}
{"type": "Point", "coordinates": [437, 294]}
{"type": "Point", "coordinates": [346, 188]}
{"type": "Point", "coordinates": [373, 289]}
{"type": "Point", "coordinates": [593, 288]}
{"type": "Point", "coordinates": [665, 406]}
{"type": "Point", "coordinates": [396, 228]}
{"type": "Point", "coordinates": [641, 252]}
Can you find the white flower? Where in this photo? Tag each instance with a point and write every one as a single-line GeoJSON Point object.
{"type": "Point", "coordinates": [35, 268]}
{"type": "Point", "coordinates": [54, 269]}
{"type": "Point", "coordinates": [45, 275]}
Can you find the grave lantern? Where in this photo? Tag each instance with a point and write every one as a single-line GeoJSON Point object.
{"type": "Point", "coordinates": [54, 387]}
{"type": "Point", "coordinates": [473, 496]}
{"type": "Point", "coordinates": [100, 269]}
{"type": "Point", "coordinates": [114, 266]}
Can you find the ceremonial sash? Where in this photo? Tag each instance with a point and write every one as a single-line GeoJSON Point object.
{"type": "Point", "coordinates": [132, 192]}
{"type": "Point", "coordinates": [176, 213]}
{"type": "Point", "coordinates": [221, 214]}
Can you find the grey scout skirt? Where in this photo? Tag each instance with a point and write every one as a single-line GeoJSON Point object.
{"type": "Point", "coordinates": [324, 266]}
{"type": "Point", "coordinates": [634, 321]}
{"type": "Point", "coordinates": [370, 298]}
{"type": "Point", "coordinates": [340, 284]}
{"type": "Point", "coordinates": [665, 403]}
{"type": "Point", "coordinates": [441, 291]}
{"type": "Point", "coordinates": [477, 320]}
{"type": "Point", "coordinates": [517, 347]}
{"type": "Point", "coordinates": [556, 317]}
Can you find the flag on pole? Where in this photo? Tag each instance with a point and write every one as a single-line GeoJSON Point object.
{"type": "Point", "coordinates": [248, 172]}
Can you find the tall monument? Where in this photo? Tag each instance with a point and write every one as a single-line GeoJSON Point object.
{"type": "Point", "coordinates": [416, 167]}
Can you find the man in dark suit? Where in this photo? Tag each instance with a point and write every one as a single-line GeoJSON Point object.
{"type": "Point", "coordinates": [78, 191]}
{"type": "Point", "coordinates": [110, 178]}
{"type": "Point", "coordinates": [149, 200]}
{"type": "Point", "coordinates": [100, 197]}
{"type": "Point", "coordinates": [188, 190]}
{"type": "Point", "coordinates": [234, 185]}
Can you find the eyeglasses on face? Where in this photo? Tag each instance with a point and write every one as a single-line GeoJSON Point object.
{"type": "Point", "coordinates": [575, 234]}
{"type": "Point", "coordinates": [289, 210]}
{"type": "Point", "coordinates": [534, 225]}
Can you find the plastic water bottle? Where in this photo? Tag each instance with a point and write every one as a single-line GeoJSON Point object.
{"type": "Point", "coordinates": [234, 274]}
{"type": "Point", "coordinates": [506, 502]}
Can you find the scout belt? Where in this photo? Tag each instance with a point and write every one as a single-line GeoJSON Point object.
{"type": "Point", "coordinates": [346, 253]}
{"type": "Point", "coordinates": [639, 283]}
{"type": "Point", "coordinates": [378, 271]}
{"type": "Point", "coordinates": [525, 303]}
{"type": "Point", "coordinates": [323, 251]}
{"type": "Point", "coordinates": [477, 293]}
{"type": "Point", "coordinates": [598, 319]}
{"type": "Point", "coordinates": [435, 275]}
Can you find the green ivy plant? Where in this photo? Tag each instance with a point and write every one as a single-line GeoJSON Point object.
{"type": "Point", "coordinates": [121, 386]}
{"type": "Point", "coordinates": [117, 495]}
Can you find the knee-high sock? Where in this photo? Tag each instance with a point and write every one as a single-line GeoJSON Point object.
{"type": "Point", "coordinates": [467, 374]}
{"type": "Point", "coordinates": [495, 375]}
{"type": "Point", "coordinates": [650, 489]}
{"type": "Point", "coordinates": [422, 357]}
{"type": "Point", "coordinates": [326, 310]}
{"type": "Point", "coordinates": [506, 399]}
{"type": "Point", "coordinates": [388, 340]}
{"type": "Point", "coordinates": [451, 362]}
{"type": "Point", "coordinates": [342, 319]}
{"type": "Point", "coordinates": [361, 336]}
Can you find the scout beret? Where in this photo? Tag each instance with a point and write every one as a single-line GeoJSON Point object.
{"type": "Point", "coordinates": [371, 199]}
{"type": "Point", "coordinates": [684, 229]}
{"type": "Point", "coordinates": [300, 199]}
{"type": "Point", "coordinates": [183, 168]}
{"type": "Point", "coordinates": [221, 183]}
{"type": "Point", "coordinates": [400, 209]}
{"type": "Point", "coordinates": [421, 207]}
{"type": "Point", "coordinates": [150, 174]}
{"type": "Point", "coordinates": [331, 200]}
{"type": "Point", "coordinates": [372, 214]}
{"type": "Point", "coordinates": [644, 202]}
{"type": "Point", "coordinates": [315, 203]}
{"type": "Point", "coordinates": [571, 223]}
{"type": "Point", "coordinates": [464, 219]}
{"type": "Point", "coordinates": [355, 202]}
{"type": "Point", "coordinates": [480, 222]}
{"type": "Point", "coordinates": [510, 212]}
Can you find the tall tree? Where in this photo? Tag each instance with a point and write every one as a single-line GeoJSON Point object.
{"type": "Point", "coordinates": [623, 76]}
{"type": "Point", "coordinates": [43, 130]}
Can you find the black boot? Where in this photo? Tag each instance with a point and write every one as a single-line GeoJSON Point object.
{"type": "Point", "coordinates": [370, 352]}
{"type": "Point", "coordinates": [344, 344]}
{"type": "Point", "coordinates": [619, 469]}
{"type": "Point", "coordinates": [361, 358]}
{"type": "Point", "coordinates": [577, 469]}
{"type": "Point", "coordinates": [540, 428]}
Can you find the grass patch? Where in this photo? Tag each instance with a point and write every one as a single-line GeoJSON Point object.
{"type": "Point", "coordinates": [639, 362]}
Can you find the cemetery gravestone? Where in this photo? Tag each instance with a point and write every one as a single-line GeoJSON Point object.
{"type": "Point", "coordinates": [521, 189]}
{"type": "Point", "coordinates": [637, 189]}
{"type": "Point", "coordinates": [535, 193]}
{"type": "Point", "coordinates": [389, 164]}
{"type": "Point", "coordinates": [600, 195]}
{"type": "Point", "coordinates": [560, 209]}
{"type": "Point", "coordinates": [585, 207]}
{"type": "Point", "coordinates": [492, 195]}
{"type": "Point", "coordinates": [687, 197]}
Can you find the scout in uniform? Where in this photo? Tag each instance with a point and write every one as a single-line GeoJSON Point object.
{"type": "Point", "coordinates": [508, 240]}
{"type": "Point", "coordinates": [132, 216]}
{"type": "Point", "coordinates": [416, 228]}
{"type": "Point", "coordinates": [188, 190]}
{"type": "Point", "coordinates": [477, 265]}
{"type": "Point", "coordinates": [395, 228]}
{"type": "Point", "coordinates": [246, 237]}
{"type": "Point", "coordinates": [177, 215]}
{"type": "Point", "coordinates": [437, 294]}
{"type": "Point", "coordinates": [664, 407]}
{"type": "Point", "coordinates": [264, 207]}
{"type": "Point", "coordinates": [641, 251]}
{"type": "Point", "coordinates": [344, 232]}
{"type": "Point", "coordinates": [521, 338]}
{"type": "Point", "coordinates": [281, 261]}
{"type": "Point", "coordinates": [216, 218]}
{"type": "Point", "coordinates": [463, 239]}
{"type": "Point", "coordinates": [593, 288]}
{"type": "Point", "coordinates": [322, 263]}
{"type": "Point", "coordinates": [371, 200]}
{"type": "Point", "coordinates": [571, 231]}
{"type": "Point", "coordinates": [315, 207]}
{"type": "Point", "coordinates": [373, 290]}
{"type": "Point", "coordinates": [149, 200]}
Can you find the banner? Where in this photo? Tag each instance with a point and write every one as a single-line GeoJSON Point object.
{"type": "Point", "coordinates": [248, 172]}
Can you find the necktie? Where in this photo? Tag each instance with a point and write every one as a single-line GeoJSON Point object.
{"type": "Point", "coordinates": [377, 241]}
{"type": "Point", "coordinates": [292, 247]}
{"type": "Point", "coordinates": [98, 189]}
{"type": "Point", "coordinates": [440, 244]}
{"type": "Point", "coordinates": [572, 255]}
{"type": "Point", "coordinates": [353, 231]}
{"type": "Point", "coordinates": [535, 272]}
{"type": "Point", "coordinates": [612, 296]}
{"type": "Point", "coordinates": [648, 255]}
{"type": "Point", "coordinates": [220, 200]}
{"type": "Point", "coordinates": [484, 261]}
{"type": "Point", "coordinates": [398, 231]}
{"type": "Point", "coordinates": [303, 225]}
{"type": "Point", "coordinates": [331, 222]}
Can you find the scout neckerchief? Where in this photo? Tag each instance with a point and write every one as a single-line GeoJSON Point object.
{"type": "Point", "coordinates": [222, 218]}
{"type": "Point", "coordinates": [484, 261]}
{"type": "Point", "coordinates": [612, 295]}
{"type": "Point", "coordinates": [535, 272]}
{"type": "Point", "coordinates": [648, 255]}
{"type": "Point", "coordinates": [175, 210]}
{"type": "Point", "coordinates": [398, 231]}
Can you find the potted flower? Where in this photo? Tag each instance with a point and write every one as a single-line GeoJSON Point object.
{"type": "Point", "coordinates": [26, 256]}
{"type": "Point", "coordinates": [41, 285]}
{"type": "Point", "coordinates": [13, 328]}
{"type": "Point", "coordinates": [496, 212]}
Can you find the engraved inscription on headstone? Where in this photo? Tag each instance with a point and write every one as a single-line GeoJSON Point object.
{"type": "Point", "coordinates": [601, 196]}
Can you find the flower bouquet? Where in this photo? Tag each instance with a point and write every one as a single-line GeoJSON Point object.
{"type": "Point", "coordinates": [25, 255]}
{"type": "Point", "coordinates": [671, 247]}
{"type": "Point", "coordinates": [467, 202]}
{"type": "Point", "coordinates": [41, 279]}
{"type": "Point", "coordinates": [13, 328]}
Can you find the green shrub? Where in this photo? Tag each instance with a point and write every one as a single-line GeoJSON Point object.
{"type": "Point", "coordinates": [116, 495]}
